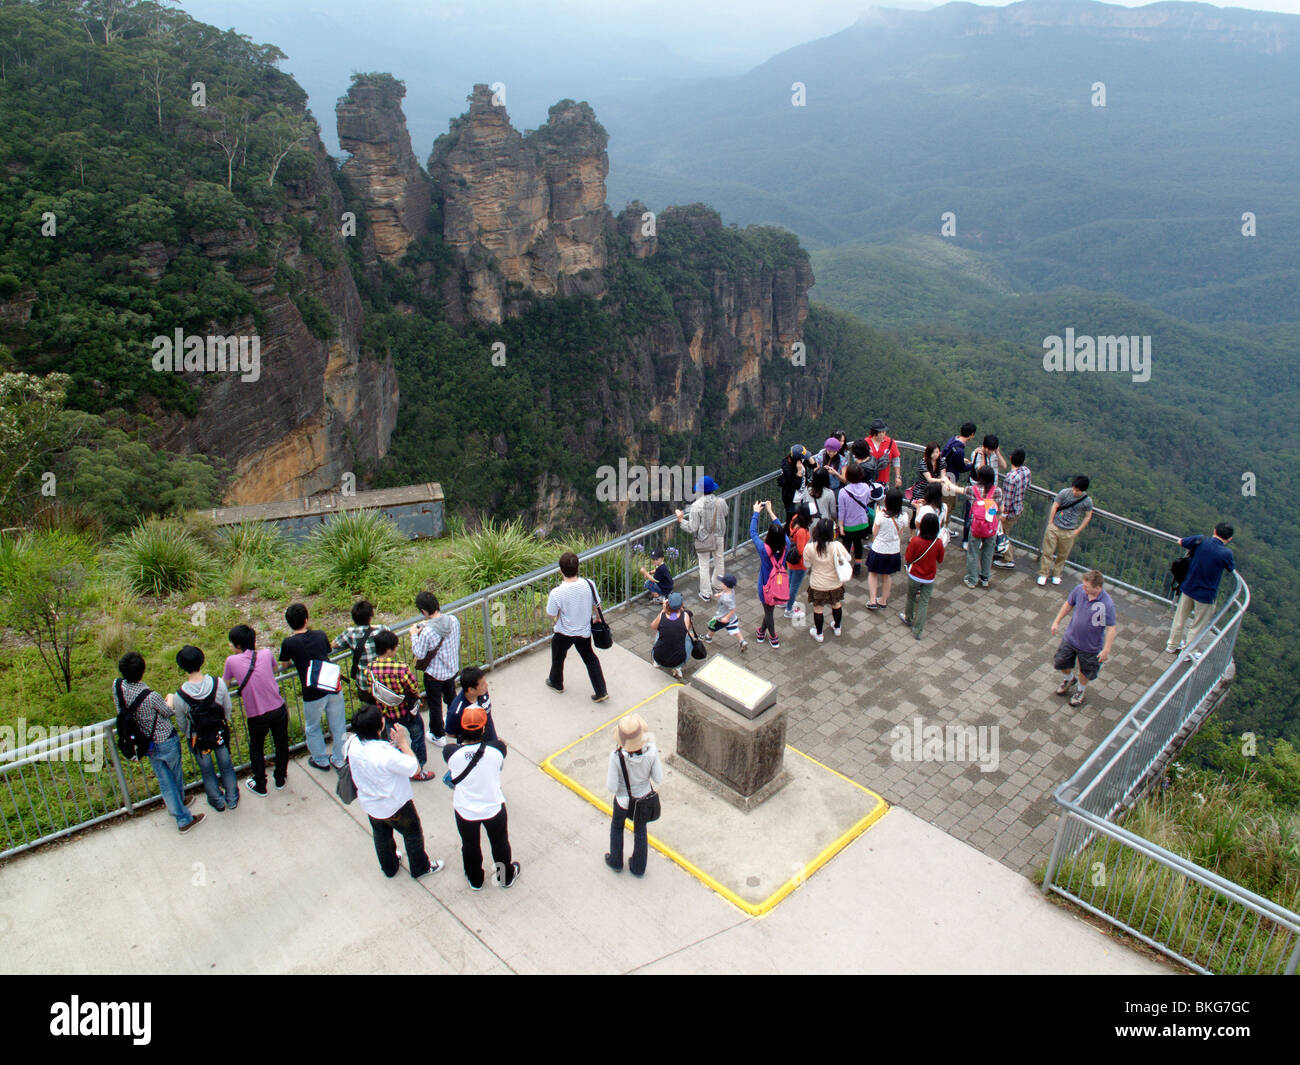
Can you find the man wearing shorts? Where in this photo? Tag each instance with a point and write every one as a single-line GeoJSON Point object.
{"type": "Point", "coordinates": [1088, 636]}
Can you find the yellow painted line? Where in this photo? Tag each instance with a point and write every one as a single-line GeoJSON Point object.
{"type": "Point", "coordinates": [750, 908]}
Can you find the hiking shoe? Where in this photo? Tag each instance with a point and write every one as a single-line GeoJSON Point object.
{"type": "Point", "coordinates": [553, 687]}
{"type": "Point", "coordinates": [599, 698]}
{"type": "Point", "coordinates": [514, 876]}
{"type": "Point", "coordinates": [434, 866]}
{"type": "Point", "coordinates": [1003, 565]}
{"type": "Point", "coordinates": [1041, 581]}
{"type": "Point", "coordinates": [1056, 580]}
{"type": "Point", "coordinates": [968, 582]}
{"type": "Point", "coordinates": [812, 631]}
{"type": "Point", "coordinates": [253, 787]}
{"type": "Point", "coordinates": [775, 641]}
{"type": "Point", "coordinates": [1077, 698]}
{"type": "Point", "coordinates": [903, 619]}
{"type": "Point", "coordinates": [1064, 687]}
{"type": "Point", "coordinates": [610, 862]}
{"type": "Point", "coordinates": [198, 819]}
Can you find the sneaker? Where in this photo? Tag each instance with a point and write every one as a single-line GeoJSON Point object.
{"type": "Point", "coordinates": [1003, 565]}
{"type": "Point", "coordinates": [968, 582]}
{"type": "Point", "coordinates": [1056, 580]}
{"type": "Point", "coordinates": [984, 584]}
{"type": "Point", "coordinates": [252, 786]}
{"type": "Point", "coordinates": [788, 615]}
{"type": "Point", "coordinates": [1041, 581]}
{"type": "Point", "coordinates": [439, 741]}
{"type": "Point", "coordinates": [743, 646]}
{"type": "Point", "coordinates": [599, 698]}
{"type": "Point", "coordinates": [514, 876]}
{"type": "Point", "coordinates": [198, 820]}
{"type": "Point", "coordinates": [704, 598]}
{"type": "Point", "coordinates": [610, 862]}
{"type": "Point", "coordinates": [903, 619]}
{"type": "Point", "coordinates": [917, 635]}
{"type": "Point", "coordinates": [812, 631]}
{"type": "Point", "coordinates": [473, 886]}
{"type": "Point", "coordinates": [434, 867]}
{"type": "Point", "coordinates": [835, 629]}
{"type": "Point", "coordinates": [677, 672]}
{"type": "Point", "coordinates": [760, 636]}
{"type": "Point", "coordinates": [279, 785]}
{"type": "Point", "coordinates": [965, 545]}
{"type": "Point", "coordinates": [707, 638]}
{"type": "Point", "coordinates": [316, 765]}
{"type": "Point", "coordinates": [553, 687]}
{"type": "Point", "coordinates": [1173, 650]}
{"type": "Point", "coordinates": [775, 641]}
{"type": "Point", "coordinates": [1077, 698]}
{"type": "Point", "coordinates": [1064, 687]}
{"type": "Point", "coordinates": [428, 774]}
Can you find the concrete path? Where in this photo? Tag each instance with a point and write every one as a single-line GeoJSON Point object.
{"type": "Point", "coordinates": [290, 884]}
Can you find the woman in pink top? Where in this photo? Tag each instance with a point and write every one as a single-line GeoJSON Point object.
{"type": "Point", "coordinates": [250, 674]}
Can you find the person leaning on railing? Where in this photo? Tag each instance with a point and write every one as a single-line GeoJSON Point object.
{"type": "Point", "coordinates": [1210, 560]}
{"type": "Point", "coordinates": [707, 521]}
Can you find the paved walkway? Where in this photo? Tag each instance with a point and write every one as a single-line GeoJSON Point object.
{"type": "Point", "coordinates": [289, 883]}
{"type": "Point", "coordinates": [985, 660]}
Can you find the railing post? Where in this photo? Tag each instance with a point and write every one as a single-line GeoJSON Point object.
{"type": "Point", "coordinates": [735, 525]}
{"type": "Point", "coordinates": [110, 742]}
{"type": "Point", "coordinates": [627, 571]}
{"type": "Point", "coordinates": [487, 632]}
{"type": "Point", "coordinates": [1054, 860]}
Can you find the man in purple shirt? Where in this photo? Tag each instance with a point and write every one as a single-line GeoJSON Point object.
{"type": "Point", "coordinates": [1088, 637]}
{"type": "Point", "coordinates": [251, 673]}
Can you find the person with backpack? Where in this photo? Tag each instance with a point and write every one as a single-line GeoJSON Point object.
{"type": "Point", "coordinates": [435, 643]}
{"type": "Point", "coordinates": [672, 626]}
{"type": "Point", "coordinates": [825, 559]}
{"type": "Point", "coordinates": [309, 651]}
{"type": "Point", "coordinates": [360, 640]}
{"type": "Point", "coordinates": [985, 500]}
{"type": "Point", "coordinates": [144, 729]}
{"type": "Point", "coordinates": [924, 553]}
{"type": "Point", "coordinates": [474, 773]}
{"type": "Point", "coordinates": [571, 604]}
{"type": "Point", "coordinates": [202, 707]}
{"type": "Point", "coordinates": [251, 674]}
{"type": "Point", "coordinates": [884, 559]}
{"type": "Point", "coordinates": [1209, 560]}
{"type": "Point", "coordinates": [382, 771]}
{"type": "Point", "coordinates": [855, 521]}
{"type": "Point", "coordinates": [1015, 490]}
{"type": "Point", "coordinates": [473, 692]}
{"type": "Point", "coordinates": [988, 454]}
{"type": "Point", "coordinates": [1071, 512]}
{"type": "Point", "coordinates": [773, 571]}
{"type": "Point", "coordinates": [956, 467]}
{"type": "Point", "coordinates": [395, 691]}
{"type": "Point", "coordinates": [707, 521]}
{"type": "Point", "coordinates": [634, 770]}
{"type": "Point", "coordinates": [884, 462]}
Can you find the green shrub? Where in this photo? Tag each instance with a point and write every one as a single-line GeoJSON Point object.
{"type": "Point", "coordinates": [252, 542]}
{"type": "Point", "coordinates": [497, 553]}
{"type": "Point", "coordinates": [354, 553]}
{"type": "Point", "coordinates": [160, 557]}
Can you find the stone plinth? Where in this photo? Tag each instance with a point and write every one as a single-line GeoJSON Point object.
{"type": "Point", "coordinates": [737, 757]}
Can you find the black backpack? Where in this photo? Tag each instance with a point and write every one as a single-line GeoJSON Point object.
{"type": "Point", "coordinates": [208, 729]}
{"type": "Point", "coordinates": [132, 741]}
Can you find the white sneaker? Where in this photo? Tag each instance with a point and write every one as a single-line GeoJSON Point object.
{"type": "Point", "coordinates": [705, 598]}
{"type": "Point", "coordinates": [1056, 580]}
{"type": "Point", "coordinates": [1041, 581]}
{"type": "Point", "coordinates": [835, 629]}
{"type": "Point", "coordinates": [812, 631]}
{"type": "Point", "coordinates": [440, 741]}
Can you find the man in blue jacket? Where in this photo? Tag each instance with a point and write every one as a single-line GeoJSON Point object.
{"type": "Point", "coordinates": [1211, 558]}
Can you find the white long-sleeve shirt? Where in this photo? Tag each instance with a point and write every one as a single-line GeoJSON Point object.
{"type": "Point", "coordinates": [644, 769]}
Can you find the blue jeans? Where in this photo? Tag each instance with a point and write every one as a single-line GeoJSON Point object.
{"type": "Point", "coordinates": [653, 588]}
{"type": "Point", "coordinates": [796, 579]}
{"type": "Point", "coordinates": [415, 730]}
{"type": "Point", "coordinates": [210, 785]}
{"type": "Point", "coordinates": [336, 713]}
{"type": "Point", "coordinates": [165, 758]}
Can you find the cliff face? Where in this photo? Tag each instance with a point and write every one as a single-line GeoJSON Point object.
{"type": "Point", "coordinates": [318, 409]}
{"type": "Point", "coordinates": [523, 210]}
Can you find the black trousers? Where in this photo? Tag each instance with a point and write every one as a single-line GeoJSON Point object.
{"type": "Point", "coordinates": [277, 724]}
{"type": "Point", "coordinates": [407, 822]}
{"type": "Point", "coordinates": [640, 842]}
{"type": "Point", "coordinates": [471, 847]}
{"type": "Point", "coordinates": [560, 645]}
{"type": "Point", "coordinates": [437, 692]}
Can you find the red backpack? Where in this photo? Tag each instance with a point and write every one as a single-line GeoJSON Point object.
{"type": "Point", "coordinates": [980, 525]}
{"type": "Point", "coordinates": [777, 588]}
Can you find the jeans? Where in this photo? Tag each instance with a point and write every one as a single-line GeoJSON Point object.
{"type": "Point", "coordinates": [918, 604]}
{"type": "Point", "coordinates": [407, 822]}
{"type": "Point", "coordinates": [979, 559]}
{"type": "Point", "coordinates": [471, 847]}
{"type": "Point", "coordinates": [277, 724]}
{"type": "Point", "coordinates": [653, 588]}
{"type": "Point", "coordinates": [165, 758]}
{"type": "Point", "coordinates": [336, 713]}
{"type": "Point", "coordinates": [210, 785]}
{"type": "Point", "coordinates": [415, 729]}
{"type": "Point", "coordinates": [560, 645]}
{"type": "Point", "coordinates": [437, 692]}
{"type": "Point", "coordinates": [796, 579]}
{"type": "Point", "coordinates": [640, 845]}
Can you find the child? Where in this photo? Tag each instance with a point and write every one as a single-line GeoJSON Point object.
{"type": "Point", "coordinates": [659, 584]}
{"type": "Point", "coordinates": [726, 616]}
{"type": "Point", "coordinates": [884, 559]}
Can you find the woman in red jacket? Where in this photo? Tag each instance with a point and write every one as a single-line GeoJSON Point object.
{"type": "Point", "coordinates": [924, 553]}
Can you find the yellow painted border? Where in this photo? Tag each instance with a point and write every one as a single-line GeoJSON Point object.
{"type": "Point", "coordinates": [752, 909]}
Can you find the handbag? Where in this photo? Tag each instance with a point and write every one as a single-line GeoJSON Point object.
{"type": "Point", "coordinates": [346, 788]}
{"type": "Point", "coordinates": [698, 650]}
{"type": "Point", "coordinates": [647, 807]}
{"type": "Point", "coordinates": [600, 634]}
{"type": "Point", "coordinates": [324, 676]}
{"type": "Point", "coordinates": [843, 565]}
{"type": "Point", "coordinates": [1179, 568]}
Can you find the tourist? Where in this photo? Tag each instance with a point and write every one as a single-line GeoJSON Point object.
{"type": "Point", "coordinates": [924, 553]}
{"type": "Point", "coordinates": [796, 473]}
{"type": "Point", "coordinates": [251, 675]}
{"type": "Point", "coordinates": [855, 521]}
{"type": "Point", "coordinates": [153, 719]}
{"type": "Point", "coordinates": [932, 503]}
{"type": "Point", "coordinates": [474, 771]}
{"type": "Point", "coordinates": [831, 458]}
{"type": "Point", "coordinates": [1210, 560]}
{"type": "Point", "coordinates": [382, 772]}
{"type": "Point", "coordinates": [929, 470]}
{"type": "Point", "coordinates": [799, 530]}
{"type": "Point", "coordinates": [360, 640]}
{"type": "Point", "coordinates": [726, 616]}
{"type": "Point", "coordinates": [773, 573]}
{"type": "Point", "coordinates": [202, 706]}
{"type": "Point", "coordinates": [707, 521]}
{"type": "Point", "coordinates": [659, 584]}
{"type": "Point", "coordinates": [435, 644]}
{"type": "Point", "coordinates": [1088, 637]}
{"type": "Point", "coordinates": [1015, 492]}
{"type": "Point", "coordinates": [571, 603]}
{"type": "Point", "coordinates": [885, 558]}
{"type": "Point", "coordinates": [825, 588]}
{"type": "Point", "coordinates": [1070, 514]}
{"type": "Point", "coordinates": [304, 647]}
{"type": "Point", "coordinates": [821, 496]}
{"type": "Point", "coordinates": [634, 769]}
{"type": "Point", "coordinates": [984, 497]}
{"type": "Point", "coordinates": [473, 692]}
{"type": "Point", "coordinates": [884, 463]}
{"type": "Point", "coordinates": [956, 467]}
{"type": "Point", "coordinates": [672, 647]}
{"type": "Point", "coordinates": [394, 688]}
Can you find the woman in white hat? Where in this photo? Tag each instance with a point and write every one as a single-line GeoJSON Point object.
{"type": "Point", "coordinates": [634, 764]}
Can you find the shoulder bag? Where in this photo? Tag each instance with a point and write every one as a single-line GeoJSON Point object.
{"type": "Point", "coordinates": [647, 807]}
{"type": "Point", "coordinates": [600, 632]}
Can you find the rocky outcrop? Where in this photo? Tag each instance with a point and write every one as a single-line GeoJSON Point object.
{"type": "Point", "coordinates": [382, 167]}
{"type": "Point", "coordinates": [522, 210]}
{"type": "Point", "coordinates": [639, 225]}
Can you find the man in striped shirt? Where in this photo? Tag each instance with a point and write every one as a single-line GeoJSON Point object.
{"type": "Point", "coordinates": [1015, 487]}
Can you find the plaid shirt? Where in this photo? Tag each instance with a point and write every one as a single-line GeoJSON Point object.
{"type": "Point", "coordinates": [446, 663]}
{"type": "Point", "coordinates": [395, 675]}
{"type": "Point", "coordinates": [151, 715]}
{"type": "Point", "coordinates": [1014, 486]}
{"type": "Point", "coordinates": [349, 638]}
